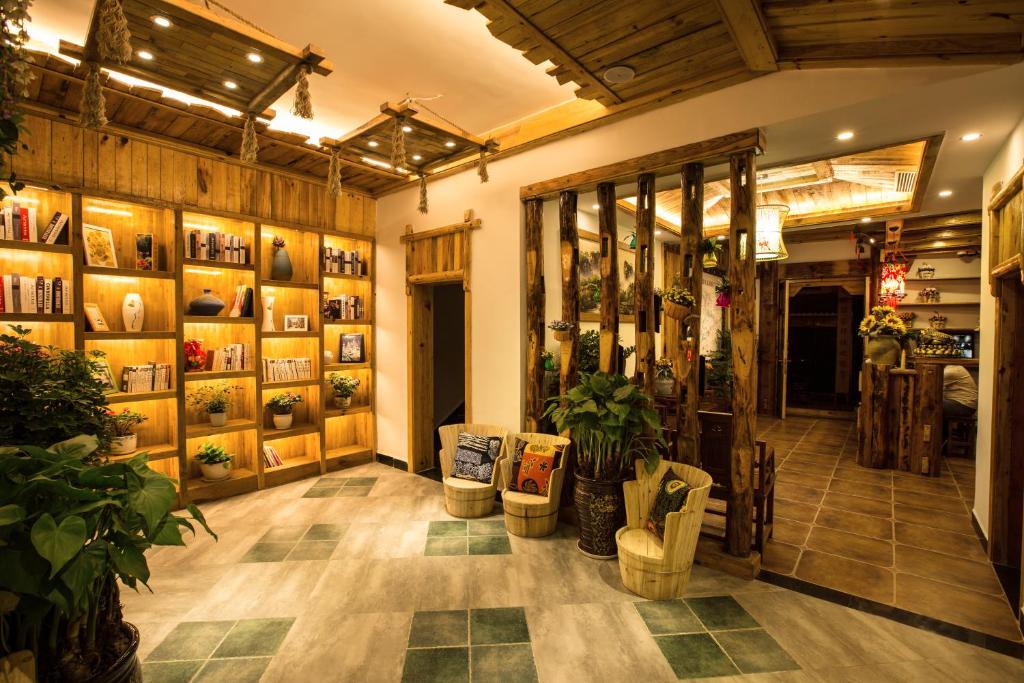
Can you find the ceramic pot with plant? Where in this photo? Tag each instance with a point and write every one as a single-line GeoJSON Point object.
{"type": "Point", "coordinates": [344, 386]}
{"type": "Point", "coordinates": [214, 401]}
{"type": "Point", "coordinates": [561, 329]}
{"type": "Point", "coordinates": [281, 407]}
{"type": "Point", "coordinates": [214, 462]}
{"type": "Point", "coordinates": [884, 329]}
{"type": "Point", "coordinates": [710, 250]}
{"type": "Point", "coordinates": [664, 378]}
{"type": "Point", "coordinates": [678, 302]}
{"type": "Point", "coordinates": [612, 424]}
{"type": "Point", "coordinates": [281, 265]}
{"type": "Point", "coordinates": [125, 441]}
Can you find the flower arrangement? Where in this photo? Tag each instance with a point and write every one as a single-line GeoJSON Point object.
{"type": "Point", "coordinates": [212, 454]}
{"type": "Point", "coordinates": [882, 321]}
{"type": "Point", "coordinates": [559, 326]}
{"type": "Point", "coordinates": [212, 399]}
{"type": "Point", "coordinates": [937, 321]}
{"type": "Point", "coordinates": [282, 404]}
{"type": "Point", "coordinates": [908, 317]}
{"type": "Point", "coordinates": [278, 242]}
{"type": "Point", "coordinates": [343, 385]}
{"type": "Point", "coordinates": [124, 423]}
{"type": "Point", "coordinates": [724, 292]}
{"type": "Point", "coordinates": [195, 356]}
{"type": "Point", "coordinates": [663, 368]}
{"type": "Point", "coordinates": [679, 295]}
{"type": "Point", "coordinates": [928, 295]}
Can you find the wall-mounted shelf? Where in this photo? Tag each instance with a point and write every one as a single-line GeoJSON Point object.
{"type": "Point", "coordinates": [35, 246]}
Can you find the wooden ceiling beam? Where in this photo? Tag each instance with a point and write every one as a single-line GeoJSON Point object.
{"type": "Point", "coordinates": [750, 33]}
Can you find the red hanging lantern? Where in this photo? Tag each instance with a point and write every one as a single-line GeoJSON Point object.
{"type": "Point", "coordinates": [892, 286]}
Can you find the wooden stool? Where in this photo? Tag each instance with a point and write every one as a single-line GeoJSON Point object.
{"type": "Point", "coordinates": [961, 433]}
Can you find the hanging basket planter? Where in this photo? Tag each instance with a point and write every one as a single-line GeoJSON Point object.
{"type": "Point", "coordinates": [562, 335]}
{"type": "Point", "coordinates": [676, 311]}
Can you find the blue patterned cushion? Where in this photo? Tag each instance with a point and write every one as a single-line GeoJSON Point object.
{"type": "Point", "coordinates": [475, 456]}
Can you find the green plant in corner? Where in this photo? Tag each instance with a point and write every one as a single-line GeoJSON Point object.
{"type": "Point", "coordinates": [282, 404]}
{"type": "Point", "coordinates": [588, 351]}
{"type": "Point", "coordinates": [212, 454]}
{"type": "Point", "coordinates": [212, 399]}
{"type": "Point", "coordinates": [125, 422]}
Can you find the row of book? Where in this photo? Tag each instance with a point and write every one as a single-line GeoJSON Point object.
{"type": "Point", "coordinates": [215, 246]}
{"type": "Point", "coordinates": [271, 458]}
{"type": "Point", "coordinates": [230, 357]}
{"type": "Point", "coordinates": [19, 223]}
{"type": "Point", "coordinates": [341, 261]}
{"type": "Point", "coordinates": [344, 307]}
{"type": "Point", "coordinates": [286, 369]}
{"type": "Point", "coordinates": [150, 377]}
{"type": "Point", "coordinates": [242, 304]}
{"type": "Point", "coordinates": [40, 295]}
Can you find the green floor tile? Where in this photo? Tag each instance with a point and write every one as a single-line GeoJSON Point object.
{"type": "Point", "coordinates": [755, 651]}
{"type": "Point", "coordinates": [503, 664]}
{"type": "Point", "coordinates": [489, 545]}
{"type": "Point", "coordinates": [446, 529]}
{"type": "Point", "coordinates": [322, 492]}
{"type": "Point", "coordinates": [721, 612]}
{"type": "Point", "coordinates": [190, 640]}
{"type": "Point", "coordinates": [329, 482]}
{"type": "Point", "coordinates": [442, 664]}
{"type": "Point", "coordinates": [254, 638]}
{"type": "Point", "coordinates": [353, 491]}
{"type": "Point", "coordinates": [170, 672]}
{"type": "Point", "coordinates": [436, 629]}
{"type": "Point", "coordinates": [312, 550]}
{"type": "Point", "coordinates": [325, 532]}
{"type": "Point", "coordinates": [283, 534]}
{"type": "Point", "coordinates": [695, 656]}
{"type": "Point", "coordinates": [446, 546]}
{"type": "Point", "coordinates": [233, 670]}
{"type": "Point", "coordinates": [487, 527]}
{"type": "Point", "coordinates": [498, 625]}
{"type": "Point", "coordinates": [360, 481]}
{"type": "Point", "coordinates": [268, 552]}
{"type": "Point", "coordinates": [668, 616]}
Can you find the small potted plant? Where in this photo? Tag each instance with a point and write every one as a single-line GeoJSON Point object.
{"type": "Point", "coordinates": [710, 249]}
{"type": "Point", "coordinates": [884, 330]}
{"type": "Point", "coordinates": [344, 386]}
{"type": "Point", "coordinates": [665, 377]}
{"type": "Point", "coordinates": [937, 321]}
{"type": "Point", "coordinates": [281, 407]}
{"type": "Point", "coordinates": [550, 363]}
{"type": "Point", "coordinates": [281, 265]}
{"type": "Point", "coordinates": [724, 293]}
{"type": "Point", "coordinates": [677, 302]}
{"type": "Point", "coordinates": [929, 295]}
{"type": "Point", "coordinates": [926, 271]}
{"type": "Point", "coordinates": [562, 330]}
{"type": "Point", "coordinates": [123, 424]}
{"type": "Point", "coordinates": [214, 462]}
{"type": "Point", "coordinates": [215, 401]}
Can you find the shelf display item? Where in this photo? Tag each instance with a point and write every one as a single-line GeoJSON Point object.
{"type": "Point", "coordinates": [99, 246]}
{"type": "Point", "coordinates": [95, 318]}
{"type": "Point", "coordinates": [205, 304]}
{"type": "Point", "coordinates": [133, 312]}
{"type": "Point", "coordinates": [268, 314]}
{"type": "Point", "coordinates": [144, 251]}
{"type": "Point", "coordinates": [353, 349]}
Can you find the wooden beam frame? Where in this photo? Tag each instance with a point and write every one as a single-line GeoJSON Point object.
{"type": "Point", "coordinates": [609, 245]}
{"type": "Point", "coordinates": [749, 30]}
{"type": "Point", "coordinates": [643, 286]}
{"type": "Point", "coordinates": [569, 240]}
{"type": "Point", "coordinates": [691, 276]}
{"type": "Point", "coordinates": [535, 299]}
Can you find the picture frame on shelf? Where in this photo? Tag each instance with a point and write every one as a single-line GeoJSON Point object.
{"type": "Point", "coordinates": [353, 349]}
{"type": "Point", "coordinates": [144, 251]}
{"type": "Point", "coordinates": [296, 323]}
{"type": "Point", "coordinates": [105, 375]}
{"type": "Point", "coordinates": [99, 246]}
{"type": "Point", "coordinates": [94, 316]}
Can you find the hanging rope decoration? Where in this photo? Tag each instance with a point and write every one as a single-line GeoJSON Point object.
{"type": "Point", "coordinates": [334, 174]}
{"type": "Point", "coordinates": [423, 193]}
{"type": "Point", "coordinates": [113, 41]}
{"type": "Point", "coordinates": [398, 144]}
{"type": "Point", "coordinates": [481, 166]}
{"type": "Point", "coordinates": [250, 145]}
{"type": "Point", "coordinates": [303, 105]}
{"type": "Point", "coordinates": [93, 105]}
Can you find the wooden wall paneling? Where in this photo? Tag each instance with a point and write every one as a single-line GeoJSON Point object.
{"type": "Point", "coordinates": [644, 284]}
{"type": "Point", "coordinates": [535, 300]}
{"type": "Point", "coordinates": [609, 244]}
{"type": "Point", "coordinates": [768, 339]}
{"type": "Point", "coordinates": [568, 235]}
{"type": "Point", "coordinates": [691, 277]}
{"type": "Point", "coordinates": [78, 258]}
{"type": "Point", "coordinates": [742, 176]}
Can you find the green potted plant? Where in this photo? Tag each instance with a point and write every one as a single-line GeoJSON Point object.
{"type": "Point", "coordinates": [664, 377]}
{"type": "Point", "coordinates": [719, 374]}
{"type": "Point", "coordinates": [561, 329]}
{"type": "Point", "coordinates": [678, 302]}
{"type": "Point", "coordinates": [612, 424]}
{"type": "Point", "coordinates": [344, 386]}
{"type": "Point", "coordinates": [281, 407]}
{"type": "Point", "coordinates": [710, 250]}
{"type": "Point", "coordinates": [214, 401]}
{"type": "Point", "coordinates": [125, 441]}
{"type": "Point", "coordinates": [588, 351]}
{"type": "Point", "coordinates": [214, 462]}
{"type": "Point", "coordinates": [884, 330]}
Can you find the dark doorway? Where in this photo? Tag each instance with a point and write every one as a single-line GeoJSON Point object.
{"type": "Point", "coordinates": [449, 399]}
{"type": "Point", "coordinates": [823, 349]}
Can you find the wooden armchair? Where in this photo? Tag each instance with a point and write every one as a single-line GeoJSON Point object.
{"type": "Point", "coordinates": [650, 567]}
{"type": "Point", "coordinates": [464, 497]}
{"type": "Point", "coordinates": [528, 514]}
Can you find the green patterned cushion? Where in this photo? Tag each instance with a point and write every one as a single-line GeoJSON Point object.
{"type": "Point", "coordinates": [671, 497]}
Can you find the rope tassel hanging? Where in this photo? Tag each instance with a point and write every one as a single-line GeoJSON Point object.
{"type": "Point", "coordinates": [423, 194]}
{"type": "Point", "coordinates": [303, 105]}
{"type": "Point", "coordinates": [398, 144]}
{"type": "Point", "coordinates": [113, 41]}
{"type": "Point", "coordinates": [481, 166]}
{"type": "Point", "coordinates": [93, 105]}
{"type": "Point", "coordinates": [334, 174]}
{"type": "Point", "coordinates": [250, 145]}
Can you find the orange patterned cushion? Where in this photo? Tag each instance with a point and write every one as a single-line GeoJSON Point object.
{"type": "Point", "coordinates": [536, 467]}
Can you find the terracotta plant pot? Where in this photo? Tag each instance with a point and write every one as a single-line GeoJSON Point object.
{"type": "Point", "coordinates": [127, 668]}
{"type": "Point", "coordinates": [674, 310]}
{"type": "Point", "coordinates": [342, 402]}
{"type": "Point", "coordinates": [216, 471]}
{"type": "Point", "coordinates": [124, 445]}
{"type": "Point", "coordinates": [884, 350]}
{"type": "Point", "coordinates": [283, 421]}
{"type": "Point", "coordinates": [218, 419]}
{"type": "Point", "coordinates": [601, 509]}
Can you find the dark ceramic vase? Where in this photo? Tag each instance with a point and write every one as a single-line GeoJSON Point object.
{"type": "Point", "coordinates": [205, 304]}
{"type": "Point", "coordinates": [126, 669]}
{"type": "Point", "coordinates": [281, 266]}
{"type": "Point", "coordinates": [601, 510]}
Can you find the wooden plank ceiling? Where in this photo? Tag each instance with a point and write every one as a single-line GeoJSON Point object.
{"type": "Point", "coordinates": [701, 45]}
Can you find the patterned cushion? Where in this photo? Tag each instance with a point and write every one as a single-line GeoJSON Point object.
{"type": "Point", "coordinates": [475, 456]}
{"type": "Point", "coordinates": [519, 449]}
{"type": "Point", "coordinates": [535, 470]}
{"type": "Point", "coordinates": [671, 497]}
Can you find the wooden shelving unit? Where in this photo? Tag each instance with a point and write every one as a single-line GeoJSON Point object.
{"type": "Point", "coordinates": [321, 438]}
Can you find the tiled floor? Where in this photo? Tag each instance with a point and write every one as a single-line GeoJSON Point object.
{"type": "Point", "coordinates": [357, 614]}
{"type": "Point", "coordinates": [475, 537]}
{"type": "Point", "coordinates": [895, 538]}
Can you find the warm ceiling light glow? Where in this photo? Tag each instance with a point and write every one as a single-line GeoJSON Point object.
{"type": "Point", "coordinates": [110, 212]}
{"type": "Point", "coordinates": [406, 129]}
{"type": "Point", "coordinates": [204, 271]}
{"type": "Point", "coordinates": [145, 54]}
{"type": "Point", "coordinates": [768, 244]}
{"type": "Point", "coordinates": [845, 135]}
{"type": "Point", "coordinates": [201, 226]}
{"type": "Point", "coordinates": [230, 85]}
{"type": "Point", "coordinates": [871, 240]}
{"type": "Point", "coordinates": [970, 137]}
{"type": "Point", "coordinates": [255, 57]}
{"type": "Point", "coordinates": [20, 200]}
{"type": "Point", "coordinates": [373, 143]}
{"type": "Point", "coordinates": [866, 219]}
{"type": "Point", "coordinates": [450, 143]}
{"type": "Point", "coordinates": [657, 232]}
{"type": "Point", "coordinates": [416, 157]}
{"type": "Point", "coordinates": [595, 207]}
{"type": "Point", "coordinates": [946, 193]}
{"type": "Point", "coordinates": [376, 162]}
{"type": "Point", "coordinates": [162, 22]}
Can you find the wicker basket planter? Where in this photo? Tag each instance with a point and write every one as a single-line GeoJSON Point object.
{"type": "Point", "coordinates": [562, 335]}
{"type": "Point", "coordinates": [674, 310]}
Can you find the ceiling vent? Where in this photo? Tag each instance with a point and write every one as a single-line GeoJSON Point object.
{"type": "Point", "coordinates": [619, 74]}
{"type": "Point", "coordinates": [905, 181]}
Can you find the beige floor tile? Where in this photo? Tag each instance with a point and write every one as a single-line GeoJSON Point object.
{"type": "Point", "coordinates": [930, 501]}
{"type": "Point", "coordinates": [978, 611]}
{"type": "Point", "coordinates": [855, 523]}
{"type": "Point", "coordinates": [960, 523]}
{"type": "Point", "coordinates": [799, 512]}
{"type": "Point", "coordinates": [789, 531]}
{"type": "Point", "coordinates": [977, 576]}
{"type": "Point", "coordinates": [780, 557]}
{"type": "Point", "coordinates": [864, 474]}
{"type": "Point", "coordinates": [863, 489]}
{"type": "Point", "coordinates": [798, 493]}
{"type": "Point", "coordinates": [866, 506]}
{"type": "Point", "coordinates": [852, 546]}
{"type": "Point", "coordinates": [849, 576]}
{"type": "Point", "coordinates": [947, 542]}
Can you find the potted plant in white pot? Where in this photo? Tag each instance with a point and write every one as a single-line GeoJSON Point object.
{"type": "Point", "coordinates": [214, 462]}
{"type": "Point", "coordinates": [214, 401]}
{"type": "Point", "coordinates": [344, 386]}
{"type": "Point", "coordinates": [665, 377]}
{"type": "Point", "coordinates": [281, 407]}
{"type": "Point", "coordinates": [611, 423]}
{"type": "Point", "coordinates": [884, 329]}
{"type": "Point", "coordinates": [124, 440]}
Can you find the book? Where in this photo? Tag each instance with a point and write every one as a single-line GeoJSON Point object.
{"type": "Point", "coordinates": [95, 318]}
{"type": "Point", "coordinates": [55, 228]}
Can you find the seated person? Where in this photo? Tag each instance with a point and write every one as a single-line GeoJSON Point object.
{"type": "Point", "coordinates": [959, 392]}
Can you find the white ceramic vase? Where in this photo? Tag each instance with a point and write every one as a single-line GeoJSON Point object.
{"type": "Point", "coordinates": [283, 421]}
{"type": "Point", "coordinates": [132, 312]}
{"type": "Point", "coordinates": [215, 472]}
{"type": "Point", "coordinates": [218, 419]}
{"type": "Point", "coordinates": [268, 314]}
{"type": "Point", "coordinates": [124, 445]}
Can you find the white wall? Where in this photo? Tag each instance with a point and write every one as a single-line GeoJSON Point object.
{"type": "Point", "coordinates": [1003, 166]}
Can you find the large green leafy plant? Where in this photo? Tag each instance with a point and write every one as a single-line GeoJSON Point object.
{"type": "Point", "coordinates": [69, 530]}
{"type": "Point", "coordinates": [14, 79]}
{"type": "Point", "coordinates": [611, 422]}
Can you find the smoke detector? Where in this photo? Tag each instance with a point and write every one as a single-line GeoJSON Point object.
{"type": "Point", "coordinates": [619, 74]}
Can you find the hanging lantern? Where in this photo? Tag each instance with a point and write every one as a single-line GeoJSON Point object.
{"type": "Point", "coordinates": [892, 285]}
{"type": "Point", "coordinates": [768, 232]}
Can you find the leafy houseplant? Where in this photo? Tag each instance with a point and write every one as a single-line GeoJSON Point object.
{"type": "Point", "coordinates": [125, 440]}
{"type": "Point", "coordinates": [719, 376]}
{"type": "Point", "coordinates": [214, 401]}
{"type": "Point", "coordinates": [588, 351]}
{"type": "Point", "coordinates": [14, 79]}
{"type": "Point", "coordinates": [884, 329]}
{"type": "Point", "coordinates": [678, 302]}
{"type": "Point", "coordinates": [344, 386]}
{"type": "Point", "coordinates": [214, 462]}
{"type": "Point", "coordinates": [561, 329]}
{"type": "Point", "coordinates": [281, 407]}
{"type": "Point", "coordinates": [612, 423]}
{"type": "Point", "coordinates": [70, 532]}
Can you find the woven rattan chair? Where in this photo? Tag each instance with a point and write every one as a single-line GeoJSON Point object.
{"type": "Point", "coordinates": [528, 514]}
{"type": "Point", "coordinates": [650, 567]}
{"type": "Point", "coordinates": [464, 497]}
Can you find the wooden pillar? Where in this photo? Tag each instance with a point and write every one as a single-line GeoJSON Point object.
{"type": "Point", "coordinates": [739, 513]}
{"type": "Point", "coordinates": [609, 235]}
{"type": "Point", "coordinates": [570, 250]}
{"type": "Point", "coordinates": [534, 314]}
{"type": "Point", "coordinates": [875, 432]}
{"type": "Point", "coordinates": [644, 283]}
{"type": "Point", "coordinates": [768, 339]}
{"type": "Point", "coordinates": [691, 276]}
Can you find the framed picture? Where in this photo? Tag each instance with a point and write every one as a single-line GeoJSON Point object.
{"type": "Point", "coordinates": [296, 323]}
{"type": "Point", "coordinates": [144, 251]}
{"type": "Point", "coordinates": [99, 246]}
{"type": "Point", "coordinates": [590, 279]}
{"type": "Point", "coordinates": [352, 348]}
{"type": "Point", "coordinates": [105, 375]}
{"type": "Point", "coordinates": [95, 318]}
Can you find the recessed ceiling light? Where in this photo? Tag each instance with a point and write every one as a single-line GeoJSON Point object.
{"type": "Point", "coordinates": [255, 57]}
{"type": "Point", "coordinates": [416, 157]}
{"type": "Point", "coordinates": [162, 22]}
{"type": "Point", "coordinates": [871, 239]}
{"type": "Point", "coordinates": [145, 54]}
{"type": "Point", "coordinates": [970, 137]}
{"type": "Point", "coordinates": [866, 219]}
{"type": "Point", "coordinates": [449, 144]}
{"type": "Point", "coordinates": [845, 135]}
{"type": "Point", "coordinates": [230, 85]}
{"type": "Point", "coordinates": [373, 143]}
{"type": "Point", "coordinates": [406, 129]}
{"type": "Point", "coordinates": [946, 193]}
{"type": "Point", "coordinates": [619, 74]}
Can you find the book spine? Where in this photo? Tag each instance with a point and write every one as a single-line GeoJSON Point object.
{"type": "Point", "coordinates": [40, 294]}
